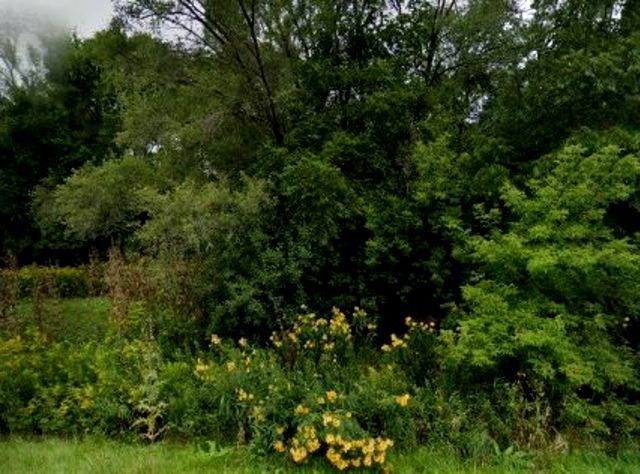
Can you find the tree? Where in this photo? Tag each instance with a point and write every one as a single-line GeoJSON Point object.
{"type": "Point", "coordinates": [48, 127]}
{"type": "Point", "coordinates": [553, 301]}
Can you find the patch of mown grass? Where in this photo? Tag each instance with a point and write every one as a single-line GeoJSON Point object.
{"type": "Point", "coordinates": [94, 455]}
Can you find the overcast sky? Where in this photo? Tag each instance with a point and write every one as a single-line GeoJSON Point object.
{"type": "Point", "coordinates": [83, 16]}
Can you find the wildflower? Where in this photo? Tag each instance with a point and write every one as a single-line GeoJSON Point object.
{"type": "Point", "coordinates": [279, 446]}
{"type": "Point", "coordinates": [231, 366]}
{"type": "Point", "coordinates": [243, 342]}
{"type": "Point", "coordinates": [336, 459]}
{"type": "Point", "coordinates": [298, 454]}
{"type": "Point", "coordinates": [313, 445]}
{"type": "Point", "coordinates": [258, 414]}
{"type": "Point", "coordinates": [216, 340]}
{"type": "Point", "coordinates": [330, 438]}
{"type": "Point", "coordinates": [301, 410]}
{"type": "Point", "coordinates": [243, 396]}
{"type": "Point", "coordinates": [403, 400]}
{"type": "Point", "coordinates": [396, 341]}
{"type": "Point", "coordinates": [331, 395]}
{"type": "Point", "coordinates": [329, 419]}
{"type": "Point", "coordinates": [386, 348]}
{"type": "Point", "coordinates": [275, 340]}
{"type": "Point", "coordinates": [201, 368]}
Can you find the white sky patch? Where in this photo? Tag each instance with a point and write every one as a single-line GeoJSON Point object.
{"type": "Point", "coordinates": [85, 17]}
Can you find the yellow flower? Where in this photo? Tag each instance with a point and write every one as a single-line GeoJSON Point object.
{"type": "Point", "coordinates": [301, 410]}
{"type": "Point", "coordinates": [243, 396]}
{"type": "Point", "coordinates": [243, 342]}
{"type": "Point", "coordinates": [346, 446]}
{"type": "Point", "coordinates": [396, 341]}
{"type": "Point", "coordinates": [231, 366]}
{"type": "Point", "coordinates": [403, 400]}
{"type": "Point", "coordinates": [313, 445]}
{"type": "Point", "coordinates": [329, 419]}
{"type": "Point", "coordinates": [331, 395]}
{"type": "Point", "coordinates": [279, 446]}
{"type": "Point", "coordinates": [298, 454]}
{"type": "Point", "coordinates": [216, 340]}
{"type": "Point", "coordinates": [336, 459]}
{"type": "Point", "coordinates": [258, 414]}
{"type": "Point", "coordinates": [201, 368]}
{"type": "Point", "coordinates": [330, 438]}
{"type": "Point", "coordinates": [386, 348]}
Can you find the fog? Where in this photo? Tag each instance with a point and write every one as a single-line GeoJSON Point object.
{"type": "Point", "coordinates": [82, 16]}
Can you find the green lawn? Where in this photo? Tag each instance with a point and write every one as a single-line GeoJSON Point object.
{"type": "Point", "coordinates": [19, 455]}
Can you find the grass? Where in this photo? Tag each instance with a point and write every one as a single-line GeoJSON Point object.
{"type": "Point", "coordinates": [50, 455]}
{"type": "Point", "coordinates": [72, 319]}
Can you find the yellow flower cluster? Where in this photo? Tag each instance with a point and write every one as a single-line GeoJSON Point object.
{"type": "Point", "coordinates": [301, 410]}
{"type": "Point", "coordinates": [216, 340]}
{"type": "Point", "coordinates": [311, 332]}
{"type": "Point", "coordinates": [243, 396]}
{"type": "Point", "coordinates": [298, 454]}
{"type": "Point", "coordinates": [202, 369]}
{"type": "Point", "coordinates": [331, 396]}
{"type": "Point", "coordinates": [338, 323]}
{"type": "Point", "coordinates": [330, 419]}
{"type": "Point", "coordinates": [344, 453]}
{"type": "Point", "coordinates": [305, 442]}
{"type": "Point", "coordinates": [258, 413]}
{"type": "Point", "coordinates": [420, 326]}
{"type": "Point", "coordinates": [396, 343]}
{"type": "Point", "coordinates": [403, 400]}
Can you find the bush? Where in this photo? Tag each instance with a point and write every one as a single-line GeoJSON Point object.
{"type": "Point", "coordinates": [554, 300]}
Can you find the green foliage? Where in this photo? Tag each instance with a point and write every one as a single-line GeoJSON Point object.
{"type": "Point", "coordinates": [99, 202]}
{"type": "Point", "coordinates": [555, 292]}
{"type": "Point", "coordinates": [48, 128]}
{"type": "Point", "coordinates": [462, 163]}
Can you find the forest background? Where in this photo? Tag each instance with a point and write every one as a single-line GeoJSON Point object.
{"type": "Point", "coordinates": [463, 174]}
